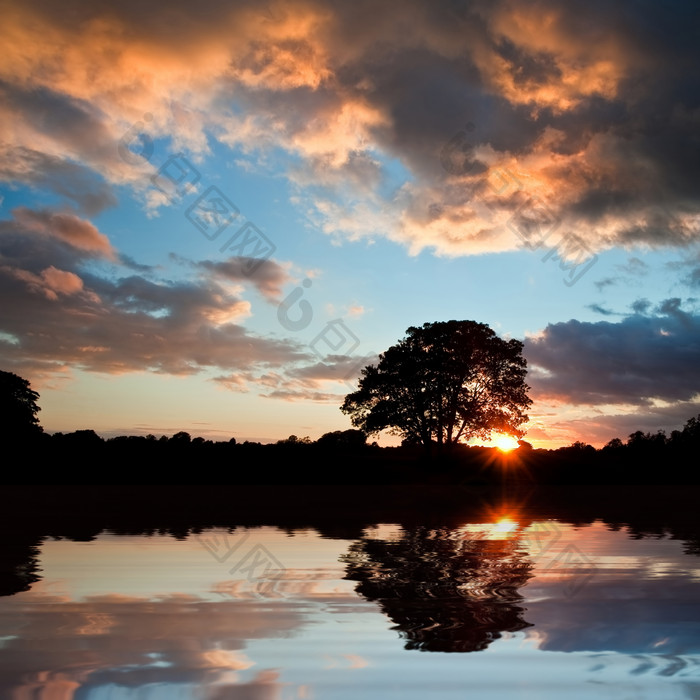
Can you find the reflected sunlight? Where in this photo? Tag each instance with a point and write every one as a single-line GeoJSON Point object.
{"type": "Point", "coordinates": [498, 530]}
{"type": "Point", "coordinates": [505, 525]}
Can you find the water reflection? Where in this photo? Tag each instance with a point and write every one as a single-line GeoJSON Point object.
{"type": "Point", "coordinates": [445, 589]}
{"type": "Point", "coordinates": [57, 647]}
{"type": "Point", "coordinates": [145, 612]}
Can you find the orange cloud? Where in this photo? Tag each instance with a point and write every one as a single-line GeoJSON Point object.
{"type": "Point", "coordinates": [345, 96]}
{"type": "Point", "coordinates": [573, 71]}
{"type": "Point", "coordinates": [62, 281]}
{"type": "Point", "coordinates": [51, 282]}
{"type": "Point", "coordinates": [75, 231]}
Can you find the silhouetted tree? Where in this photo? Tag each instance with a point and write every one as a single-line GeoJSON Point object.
{"type": "Point", "coordinates": [686, 441]}
{"type": "Point", "coordinates": [18, 408]}
{"type": "Point", "coordinates": [691, 430]}
{"type": "Point", "coordinates": [84, 438]}
{"type": "Point", "coordinates": [580, 446]}
{"type": "Point", "coordinates": [614, 444]}
{"type": "Point", "coordinates": [644, 441]}
{"type": "Point", "coordinates": [444, 383]}
{"type": "Point", "coordinates": [294, 440]}
{"type": "Point", "coordinates": [343, 439]}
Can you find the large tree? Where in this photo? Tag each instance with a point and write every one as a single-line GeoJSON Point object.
{"type": "Point", "coordinates": [18, 408]}
{"type": "Point", "coordinates": [444, 383]}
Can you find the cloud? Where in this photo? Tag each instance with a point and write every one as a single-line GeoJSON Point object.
{"type": "Point", "coordinates": [629, 273]}
{"type": "Point", "coordinates": [456, 128]}
{"type": "Point", "coordinates": [111, 323]}
{"type": "Point", "coordinates": [591, 112]}
{"type": "Point", "coordinates": [638, 360]}
{"type": "Point", "coordinates": [51, 282]}
{"type": "Point", "coordinates": [303, 395]}
{"type": "Point", "coordinates": [599, 427]}
{"type": "Point", "coordinates": [304, 380]}
{"type": "Point", "coordinates": [601, 310]}
{"type": "Point", "coordinates": [296, 384]}
{"type": "Point", "coordinates": [641, 306]}
{"type": "Point", "coordinates": [130, 318]}
{"type": "Point", "coordinates": [235, 381]}
{"type": "Point", "coordinates": [58, 137]}
{"type": "Point", "coordinates": [74, 181]}
{"type": "Point", "coordinates": [356, 310]}
{"type": "Point", "coordinates": [269, 277]}
{"type": "Point", "coordinates": [77, 232]}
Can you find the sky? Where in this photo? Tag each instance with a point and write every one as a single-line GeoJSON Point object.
{"type": "Point", "coordinates": [212, 216]}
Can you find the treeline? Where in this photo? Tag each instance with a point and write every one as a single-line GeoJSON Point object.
{"type": "Point", "coordinates": [644, 458]}
{"type": "Point", "coordinates": [346, 457]}
{"type": "Point", "coordinates": [335, 458]}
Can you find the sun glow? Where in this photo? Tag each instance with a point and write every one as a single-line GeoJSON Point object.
{"type": "Point", "coordinates": [504, 442]}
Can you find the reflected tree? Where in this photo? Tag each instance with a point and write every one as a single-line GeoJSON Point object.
{"type": "Point", "coordinates": [445, 589]}
{"type": "Point", "coordinates": [19, 562]}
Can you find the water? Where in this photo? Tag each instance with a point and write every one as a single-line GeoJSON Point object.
{"type": "Point", "coordinates": [511, 604]}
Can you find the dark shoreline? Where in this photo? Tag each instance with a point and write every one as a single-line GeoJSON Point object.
{"type": "Point", "coordinates": [259, 504]}
{"type": "Point", "coordinates": [31, 514]}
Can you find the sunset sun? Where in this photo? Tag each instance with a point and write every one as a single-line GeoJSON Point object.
{"type": "Point", "coordinates": [505, 443]}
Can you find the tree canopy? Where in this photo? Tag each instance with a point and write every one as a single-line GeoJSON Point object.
{"type": "Point", "coordinates": [18, 407]}
{"type": "Point", "coordinates": [445, 382]}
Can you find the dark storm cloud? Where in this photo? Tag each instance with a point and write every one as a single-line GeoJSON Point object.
{"type": "Point", "coordinates": [634, 361]}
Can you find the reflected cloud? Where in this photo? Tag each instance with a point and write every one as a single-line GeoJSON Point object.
{"type": "Point", "coordinates": [615, 614]}
{"type": "Point", "coordinates": [485, 582]}
{"type": "Point", "coordinates": [264, 686]}
{"type": "Point", "coordinates": [54, 646]}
